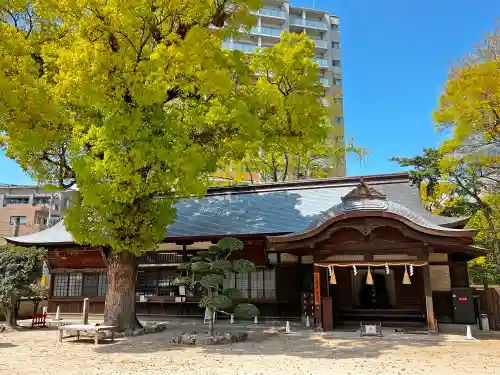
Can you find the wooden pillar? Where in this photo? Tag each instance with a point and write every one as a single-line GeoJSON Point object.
{"type": "Point", "coordinates": [429, 304]}
{"type": "Point", "coordinates": [318, 323]}
{"type": "Point", "coordinates": [327, 312]}
{"type": "Point", "coordinates": [86, 311]}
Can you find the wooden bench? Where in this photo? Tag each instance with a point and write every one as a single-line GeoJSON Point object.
{"type": "Point", "coordinates": [88, 328]}
{"type": "Point", "coordinates": [38, 321]}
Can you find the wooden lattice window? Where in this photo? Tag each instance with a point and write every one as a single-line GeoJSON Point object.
{"type": "Point", "coordinates": [258, 284]}
{"type": "Point", "coordinates": [80, 284]}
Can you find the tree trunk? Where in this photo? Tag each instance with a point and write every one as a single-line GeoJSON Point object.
{"type": "Point", "coordinates": [36, 303]}
{"type": "Point", "coordinates": [10, 317]}
{"type": "Point", "coordinates": [211, 323]}
{"type": "Point", "coordinates": [15, 311]}
{"type": "Point", "coordinates": [11, 312]}
{"type": "Point", "coordinates": [210, 294]}
{"type": "Point", "coordinates": [119, 308]}
{"type": "Point", "coordinates": [491, 226]}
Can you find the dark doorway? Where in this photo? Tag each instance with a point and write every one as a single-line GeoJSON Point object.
{"type": "Point", "coordinates": [374, 296]}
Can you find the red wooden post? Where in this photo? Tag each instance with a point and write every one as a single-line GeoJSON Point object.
{"type": "Point", "coordinates": [318, 323]}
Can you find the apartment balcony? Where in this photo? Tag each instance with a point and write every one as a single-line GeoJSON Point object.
{"type": "Point", "coordinates": [323, 63]}
{"type": "Point", "coordinates": [266, 31]}
{"type": "Point", "coordinates": [322, 44]}
{"type": "Point", "coordinates": [271, 13]}
{"type": "Point", "coordinates": [311, 24]}
{"type": "Point", "coordinates": [244, 47]}
{"type": "Point", "coordinates": [325, 82]}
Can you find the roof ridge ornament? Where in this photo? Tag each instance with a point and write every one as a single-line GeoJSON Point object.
{"type": "Point", "coordinates": [363, 191]}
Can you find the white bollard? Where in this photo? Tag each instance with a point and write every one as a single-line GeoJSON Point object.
{"type": "Point", "coordinates": [308, 322]}
{"type": "Point", "coordinates": [58, 313]}
{"type": "Point", "coordinates": [232, 319]}
{"type": "Point", "coordinates": [255, 320]}
{"type": "Point", "coordinates": [287, 327]}
{"type": "Point", "coordinates": [469, 334]}
{"type": "Point", "coordinates": [44, 310]}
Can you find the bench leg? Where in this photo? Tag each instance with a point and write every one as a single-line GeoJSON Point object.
{"type": "Point", "coordinates": [96, 340]}
{"type": "Point", "coordinates": [60, 335]}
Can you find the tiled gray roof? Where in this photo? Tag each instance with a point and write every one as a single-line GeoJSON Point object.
{"type": "Point", "coordinates": [268, 209]}
{"type": "Point", "coordinates": [375, 205]}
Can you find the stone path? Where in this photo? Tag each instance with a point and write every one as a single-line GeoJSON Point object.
{"type": "Point", "coordinates": [29, 352]}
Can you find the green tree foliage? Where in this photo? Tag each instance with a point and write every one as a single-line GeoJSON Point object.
{"type": "Point", "coordinates": [205, 273]}
{"type": "Point", "coordinates": [467, 184]}
{"type": "Point", "coordinates": [298, 140]}
{"type": "Point", "coordinates": [138, 101]}
{"type": "Point", "coordinates": [462, 177]}
{"type": "Point", "coordinates": [483, 269]}
{"type": "Point", "coordinates": [470, 103]}
{"type": "Point", "coordinates": [19, 268]}
{"type": "Point", "coordinates": [37, 292]}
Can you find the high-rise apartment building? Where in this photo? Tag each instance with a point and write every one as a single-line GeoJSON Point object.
{"type": "Point", "coordinates": [320, 26]}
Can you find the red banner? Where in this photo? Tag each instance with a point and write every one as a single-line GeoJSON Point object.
{"type": "Point", "coordinates": [317, 291]}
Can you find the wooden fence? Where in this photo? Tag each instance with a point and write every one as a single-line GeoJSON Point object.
{"type": "Point", "coordinates": [490, 303]}
{"type": "Point", "coordinates": [492, 307]}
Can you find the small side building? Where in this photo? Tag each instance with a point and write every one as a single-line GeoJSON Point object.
{"type": "Point", "coordinates": [339, 250]}
{"type": "Point", "coordinates": [31, 206]}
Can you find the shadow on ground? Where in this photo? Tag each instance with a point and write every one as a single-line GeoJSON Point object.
{"type": "Point", "coordinates": [88, 341]}
{"type": "Point", "coordinates": [4, 345]}
{"type": "Point", "coordinates": [273, 344]}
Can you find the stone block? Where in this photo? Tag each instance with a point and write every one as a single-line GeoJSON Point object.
{"type": "Point", "coordinates": [194, 338]}
{"type": "Point", "coordinates": [160, 327]}
{"type": "Point", "coordinates": [128, 332]}
{"type": "Point", "coordinates": [139, 332]}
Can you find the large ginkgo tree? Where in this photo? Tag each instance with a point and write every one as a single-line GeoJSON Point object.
{"type": "Point", "coordinates": [136, 103]}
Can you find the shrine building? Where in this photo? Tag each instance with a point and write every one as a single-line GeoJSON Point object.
{"type": "Point", "coordinates": [338, 250]}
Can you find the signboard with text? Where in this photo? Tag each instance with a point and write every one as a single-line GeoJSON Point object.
{"type": "Point", "coordinates": [317, 291]}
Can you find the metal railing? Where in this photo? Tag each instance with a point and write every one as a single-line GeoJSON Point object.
{"type": "Point", "coordinates": [320, 25]}
{"type": "Point", "coordinates": [320, 43]}
{"type": "Point", "coordinates": [160, 258]}
{"type": "Point", "coordinates": [323, 63]}
{"type": "Point", "coordinates": [245, 47]}
{"type": "Point", "coordinates": [271, 12]}
{"type": "Point", "coordinates": [267, 31]}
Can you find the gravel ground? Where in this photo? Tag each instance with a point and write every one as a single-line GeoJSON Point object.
{"type": "Point", "coordinates": [37, 352]}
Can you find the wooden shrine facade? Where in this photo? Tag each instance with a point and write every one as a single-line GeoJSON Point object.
{"type": "Point", "coordinates": [359, 258]}
{"type": "Point", "coordinates": [368, 245]}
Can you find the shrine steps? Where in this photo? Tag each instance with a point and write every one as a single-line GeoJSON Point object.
{"type": "Point", "coordinates": [396, 317]}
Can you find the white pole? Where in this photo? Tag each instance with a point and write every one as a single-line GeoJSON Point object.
{"type": "Point", "coordinates": [255, 320]}
{"type": "Point", "coordinates": [469, 334]}
{"type": "Point", "coordinates": [58, 313]}
{"type": "Point", "coordinates": [232, 319]}
{"type": "Point", "coordinates": [308, 323]}
{"type": "Point", "coordinates": [287, 328]}
{"type": "Point", "coordinates": [44, 310]}
{"type": "Point", "coordinates": [50, 209]}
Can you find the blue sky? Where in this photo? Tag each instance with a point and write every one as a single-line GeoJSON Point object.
{"type": "Point", "coordinates": [395, 59]}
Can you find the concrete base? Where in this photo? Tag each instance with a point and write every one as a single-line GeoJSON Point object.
{"type": "Point", "coordinates": [458, 328]}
